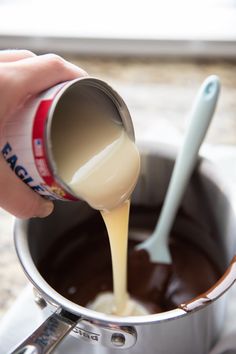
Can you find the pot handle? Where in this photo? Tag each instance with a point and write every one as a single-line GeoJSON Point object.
{"type": "Point", "coordinates": [46, 337]}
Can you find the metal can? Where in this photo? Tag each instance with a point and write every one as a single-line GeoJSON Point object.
{"type": "Point", "coordinates": [26, 144]}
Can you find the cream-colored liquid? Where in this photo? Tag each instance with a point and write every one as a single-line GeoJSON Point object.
{"type": "Point", "coordinates": [108, 178]}
{"type": "Point", "coordinates": [117, 221]}
{"type": "Point", "coordinates": [101, 165]}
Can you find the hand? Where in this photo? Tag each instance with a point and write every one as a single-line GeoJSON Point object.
{"type": "Point", "coordinates": [22, 75]}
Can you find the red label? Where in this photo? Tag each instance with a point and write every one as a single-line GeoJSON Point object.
{"type": "Point", "coordinates": [40, 152]}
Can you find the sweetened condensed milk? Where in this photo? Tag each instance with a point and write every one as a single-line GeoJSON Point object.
{"type": "Point", "coordinates": [100, 163]}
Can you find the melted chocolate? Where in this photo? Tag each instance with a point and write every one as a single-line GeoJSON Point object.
{"type": "Point", "coordinates": [79, 266]}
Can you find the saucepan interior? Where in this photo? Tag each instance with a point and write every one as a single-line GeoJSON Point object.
{"type": "Point", "coordinates": [210, 226]}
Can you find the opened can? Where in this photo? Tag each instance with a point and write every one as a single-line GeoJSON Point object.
{"type": "Point", "coordinates": [26, 138]}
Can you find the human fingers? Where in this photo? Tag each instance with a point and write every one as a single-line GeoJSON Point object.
{"type": "Point", "coordinates": [17, 198]}
{"type": "Point", "coordinates": [27, 77]}
{"type": "Point", "coordinates": [10, 55]}
{"type": "Point", "coordinates": [36, 74]}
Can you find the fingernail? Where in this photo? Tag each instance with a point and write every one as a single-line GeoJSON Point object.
{"type": "Point", "coordinates": [46, 209]}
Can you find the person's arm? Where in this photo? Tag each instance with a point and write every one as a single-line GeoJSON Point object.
{"type": "Point", "coordinates": [22, 75]}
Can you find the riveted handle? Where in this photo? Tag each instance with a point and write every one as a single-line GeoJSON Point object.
{"type": "Point", "coordinates": [46, 337]}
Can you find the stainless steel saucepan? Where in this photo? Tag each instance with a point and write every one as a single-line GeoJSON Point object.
{"type": "Point", "coordinates": [193, 328]}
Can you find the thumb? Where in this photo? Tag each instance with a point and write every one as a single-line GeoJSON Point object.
{"type": "Point", "coordinates": [17, 198]}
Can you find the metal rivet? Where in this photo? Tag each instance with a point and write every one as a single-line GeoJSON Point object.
{"type": "Point", "coordinates": [118, 339]}
{"type": "Point", "coordinates": [39, 300]}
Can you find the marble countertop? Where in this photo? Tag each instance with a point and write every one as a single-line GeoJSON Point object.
{"type": "Point", "coordinates": [159, 94]}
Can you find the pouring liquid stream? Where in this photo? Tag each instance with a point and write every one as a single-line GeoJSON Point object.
{"type": "Point", "coordinates": [117, 226]}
